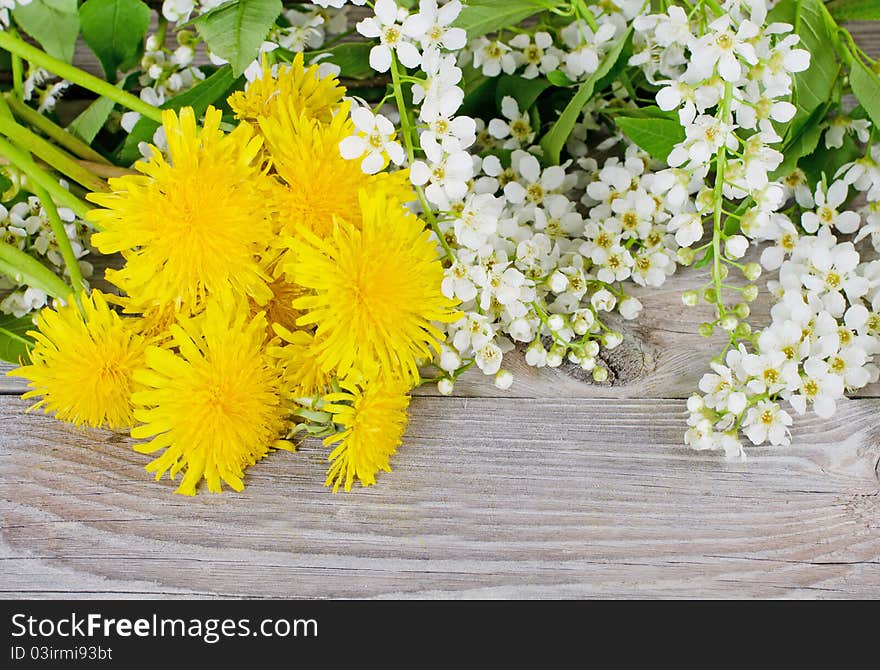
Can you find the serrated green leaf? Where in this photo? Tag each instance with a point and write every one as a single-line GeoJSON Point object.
{"type": "Point", "coordinates": [488, 16]}
{"type": "Point", "coordinates": [235, 30]}
{"type": "Point", "coordinates": [353, 59]}
{"type": "Point", "coordinates": [813, 86]}
{"type": "Point", "coordinates": [90, 121]}
{"type": "Point", "coordinates": [53, 23]}
{"type": "Point", "coordinates": [657, 136]}
{"type": "Point", "coordinates": [854, 10]}
{"type": "Point", "coordinates": [14, 341]}
{"type": "Point", "coordinates": [555, 138]}
{"type": "Point", "coordinates": [866, 87]}
{"type": "Point", "coordinates": [198, 97]}
{"type": "Point", "coordinates": [115, 31]}
{"type": "Point", "coordinates": [524, 91]}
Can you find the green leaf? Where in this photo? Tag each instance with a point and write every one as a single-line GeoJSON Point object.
{"type": "Point", "coordinates": [53, 23]}
{"type": "Point", "coordinates": [813, 86]}
{"type": "Point", "coordinates": [353, 59]}
{"type": "Point", "coordinates": [115, 31]}
{"type": "Point", "coordinates": [14, 341]}
{"type": "Point", "coordinates": [829, 161]}
{"type": "Point", "coordinates": [866, 87]}
{"type": "Point", "coordinates": [235, 30]}
{"type": "Point", "coordinates": [802, 141]}
{"type": "Point", "coordinates": [488, 16]}
{"type": "Point", "coordinates": [657, 136]}
{"type": "Point", "coordinates": [854, 10]}
{"type": "Point", "coordinates": [218, 85]}
{"type": "Point", "coordinates": [524, 91]}
{"type": "Point", "coordinates": [558, 78]}
{"type": "Point", "coordinates": [90, 121]}
{"type": "Point", "coordinates": [555, 138]}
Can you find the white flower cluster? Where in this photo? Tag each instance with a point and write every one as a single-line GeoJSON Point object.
{"type": "Point", "coordinates": [25, 225]}
{"type": "Point", "coordinates": [43, 87]}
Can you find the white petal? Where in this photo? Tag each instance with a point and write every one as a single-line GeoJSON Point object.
{"type": "Point", "coordinates": [380, 58]}
{"type": "Point", "coordinates": [395, 152]}
{"type": "Point", "coordinates": [369, 28]}
{"type": "Point", "coordinates": [419, 173]}
{"type": "Point", "coordinates": [386, 11]}
{"type": "Point", "coordinates": [409, 56]}
{"type": "Point", "coordinates": [352, 147]}
{"type": "Point", "coordinates": [373, 162]}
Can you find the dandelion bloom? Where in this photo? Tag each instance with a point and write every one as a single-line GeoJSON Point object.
{"type": "Point", "coordinates": [82, 363]}
{"type": "Point", "coordinates": [375, 290]}
{"type": "Point", "coordinates": [193, 224]}
{"type": "Point", "coordinates": [373, 417]}
{"type": "Point", "coordinates": [302, 90]}
{"type": "Point", "coordinates": [211, 399]}
{"type": "Point", "coordinates": [298, 356]}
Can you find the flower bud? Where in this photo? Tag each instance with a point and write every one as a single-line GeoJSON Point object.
{"type": "Point", "coordinates": [600, 374]}
{"type": "Point", "coordinates": [445, 386]}
{"type": "Point", "coordinates": [742, 310]}
{"type": "Point", "coordinates": [685, 256]}
{"type": "Point", "coordinates": [612, 339]}
{"type": "Point", "coordinates": [630, 308]}
{"type": "Point", "coordinates": [556, 322]}
{"type": "Point", "coordinates": [706, 329]}
{"type": "Point", "coordinates": [736, 246]}
{"type": "Point", "coordinates": [558, 282]}
{"type": "Point", "coordinates": [752, 271]}
{"type": "Point", "coordinates": [690, 298]}
{"type": "Point", "coordinates": [728, 322]}
{"type": "Point", "coordinates": [743, 330]}
{"type": "Point", "coordinates": [591, 348]}
{"type": "Point", "coordinates": [603, 300]}
{"type": "Point", "coordinates": [750, 293]}
{"type": "Point", "coordinates": [709, 295]}
{"type": "Point", "coordinates": [588, 363]}
{"type": "Point", "coordinates": [503, 379]}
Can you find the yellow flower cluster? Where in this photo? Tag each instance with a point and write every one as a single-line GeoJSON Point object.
{"type": "Point", "coordinates": [263, 274]}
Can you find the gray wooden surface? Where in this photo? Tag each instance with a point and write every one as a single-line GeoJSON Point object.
{"type": "Point", "coordinates": [557, 488]}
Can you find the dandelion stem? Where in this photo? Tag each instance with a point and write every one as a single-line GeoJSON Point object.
{"type": "Point", "coordinates": [19, 47]}
{"type": "Point", "coordinates": [50, 154]}
{"type": "Point", "coordinates": [25, 269]}
{"type": "Point", "coordinates": [61, 136]}
{"type": "Point", "coordinates": [63, 241]}
{"type": "Point", "coordinates": [42, 178]}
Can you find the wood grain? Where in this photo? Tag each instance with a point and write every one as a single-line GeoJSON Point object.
{"type": "Point", "coordinates": [559, 488]}
{"type": "Point", "coordinates": [488, 498]}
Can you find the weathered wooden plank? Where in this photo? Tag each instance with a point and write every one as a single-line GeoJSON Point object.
{"type": "Point", "coordinates": [488, 498]}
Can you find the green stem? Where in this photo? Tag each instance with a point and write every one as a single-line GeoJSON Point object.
{"type": "Point", "coordinates": [406, 130]}
{"type": "Point", "coordinates": [25, 269]}
{"type": "Point", "coordinates": [64, 246]}
{"type": "Point", "coordinates": [43, 179]}
{"type": "Point", "coordinates": [103, 88]}
{"type": "Point", "coordinates": [51, 155]}
{"type": "Point", "coordinates": [717, 228]}
{"type": "Point", "coordinates": [17, 71]}
{"type": "Point", "coordinates": [61, 136]}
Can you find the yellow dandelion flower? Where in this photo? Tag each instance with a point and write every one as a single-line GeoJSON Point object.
{"type": "Point", "coordinates": [303, 376]}
{"type": "Point", "coordinates": [373, 416]}
{"type": "Point", "coordinates": [194, 224]}
{"type": "Point", "coordinates": [211, 399]}
{"type": "Point", "coordinates": [295, 89]}
{"type": "Point", "coordinates": [318, 182]}
{"type": "Point", "coordinates": [82, 368]}
{"type": "Point", "coordinates": [279, 309]}
{"type": "Point", "coordinates": [376, 291]}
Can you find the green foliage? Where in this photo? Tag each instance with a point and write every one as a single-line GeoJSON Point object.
{"type": "Point", "coordinates": [353, 59]}
{"type": "Point", "coordinates": [14, 341]}
{"type": "Point", "coordinates": [88, 124]}
{"type": "Point", "coordinates": [524, 91]}
{"type": "Point", "coordinates": [555, 138]}
{"type": "Point", "coordinates": [115, 31]}
{"type": "Point", "coordinates": [234, 31]}
{"type": "Point", "coordinates": [656, 134]}
{"type": "Point", "coordinates": [866, 87]}
{"type": "Point", "coordinates": [214, 88]}
{"type": "Point", "coordinates": [52, 23]}
{"type": "Point", "coordinates": [854, 10]}
{"type": "Point", "coordinates": [488, 16]}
